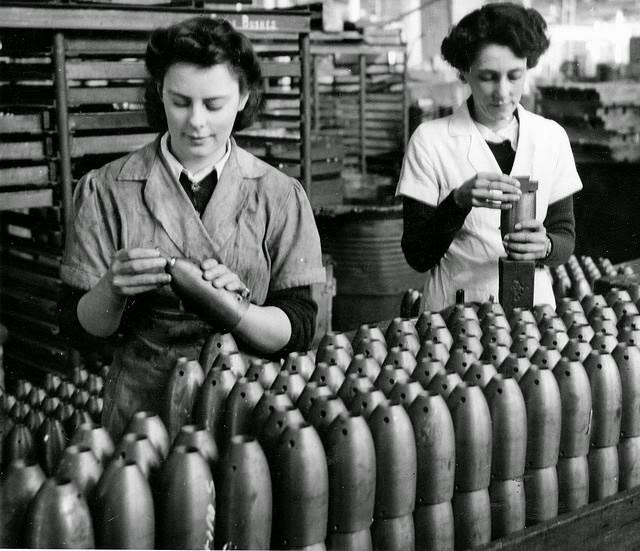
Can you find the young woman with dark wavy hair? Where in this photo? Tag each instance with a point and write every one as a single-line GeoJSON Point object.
{"type": "Point", "coordinates": [191, 193]}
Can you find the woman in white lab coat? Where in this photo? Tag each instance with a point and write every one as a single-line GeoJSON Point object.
{"type": "Point", "coordinates": [459, 171]}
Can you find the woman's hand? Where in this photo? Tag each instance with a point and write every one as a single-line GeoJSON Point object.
{"type": "Point", "coordinates": [135, 271]}
{"type": "Point", "coordinates": [489, 190]}
{"type": "Point", "coordinates": [528, 242]}
{"type": "Point", "coordinates": [222, 277]}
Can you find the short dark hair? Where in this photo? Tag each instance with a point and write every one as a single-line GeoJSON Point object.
{"type": "Point", "coordinates": [506, 24]}
{"type": "Point", "coordinates": [205, 42]}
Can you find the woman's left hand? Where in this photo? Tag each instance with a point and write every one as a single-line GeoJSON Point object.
{"type": "Point", "coordinates": [221, 277]}
{"type": "Point", "coordinates": [527, 242]}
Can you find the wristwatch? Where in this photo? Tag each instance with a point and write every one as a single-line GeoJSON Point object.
{"type": "Point", "coordinates": [549, 248]}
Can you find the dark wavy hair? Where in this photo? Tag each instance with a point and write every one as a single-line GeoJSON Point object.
{"type": "Point", "coordinates": [522, 30]}
{"type": "Point", "coordinates": [204, 42]}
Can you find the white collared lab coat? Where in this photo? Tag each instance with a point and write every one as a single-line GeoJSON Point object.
{"type": "Point", "coordinates": [441, 155]}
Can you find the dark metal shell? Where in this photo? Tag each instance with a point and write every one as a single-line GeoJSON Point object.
{"type": "Point", "coordinates": [480, 374]}
{"type": "Point", "coordinates": [472, 426]}
{"type": "Point", "coordinates": [433, 351]}
{"type": "Point", "coordinates": [209, 409]}
{"type": "Point", "coordinates": [365, 330]}
{"type": "Point", "coordinates": [363, 364]}
{"type": "Point", "coordinates": [439, 334]}
{"type": "Point", "coordinates": [628, 360]}
{"type": "Point", "coordinates": [546, 357]}
{"type": "Point", "coordinates": [575, 397]}
{"type": "Point", "coordinates": [393, 534]}
{"type": "Point", "coordinates": [494, 354]}
{"type": "Point", "coordinates": [335, 355]}
{"type": "Point", "coordinates": [21, 483]}
{"type": "Point", "coordinates": [241, 402]}
{"type": "Point", "coordinates": [629, 463]}
{"type": "Point", "coordinates": [97, 438]}
{"type": "Point", "coordinates": [217, 343]}
{"type": "Point", "coordinates": [389, 376]}
{"type": "Point", "coordinates": [311, 392]}
{"type": "Point", "coordinates": [509, 427]}
{"type": "Point", "coordinates": [349, 541]}
{"type": "Point", "coordinates": [544, 417]}
{"type": "Point", "coordinates": [444, 383]}
{"type": "Point", "coordinates": [300, 489]}
{"type": "Point", "coordinates": [427, 320]}
{"type": "Point", "coordinates": [149, 424]}
{"type": "Point", "coordinates": [435, 449]}
{"type": "Point", "coordinates": [472, 518]}
{"type": "Point", "coordinates": [405, 393]}
{"type": "Point", "coordinates": [366, 402]}
{"type": "Point", "coordinates": [264, 371]}
{"type": "Point", "coordinates": [434, 526]}
{"type": "Point", "coordinates": [606, 397]}
{"type": "Point", "coordinates": [573, 483]}
{"type": "Point", "coordinates": [460, 361]}
{"type": "Point", "coordinates": [269, 401]}
{"type": "Point", "coordinates": [403, 325]}
{"type": "Point", "coordinates": [274, 426]}
{"type": "Point", "coordinates": [324, 410]}
{"type": "Point", "coordinates": [59, 517]}
{"type": "Point", "coordinates": [291, 383]}
{"type": "Point", "coordinates": [300, 362]}
{"type": "Point", "coordinates": [515, 365]}
{"type": "Point", "coordinates": [234, 360]}
{"type": "Point", "coordinates": [555, 338]}
{"type": "Point", "coordinates": [337, 339]}
{"type": "Point", "coordinates": [370, 348]}
{"type": "Point", "coordinates": [198, 437]}
{"type": "Point", "coordinates": [180, 395]}
{"type": "Point", "coordinates": [185, 501]}
{"type": "Point", "coordinates": [331, 375]}
{"type": "Point", "coordinates": [402, 357]}
{"type": "Point", "coordinates": [353, 384]}
{"type": "Point", "coordinates": [123, 511]}
{"type": "Point", "coordinates": [508, 506]}
{"type": "Point", "coordinates": [138, 448]}
{"type": "Point", "coordinates": [79, 463]}
{"type": "Point", "coordinates": [426, 370]}
{"type": "Point", "coordinates": [244, 500]}
{"type": "Point", "coordinates": [396, 466]}
{"type": "Point", "coordinates": [51, 442]}
{"type": "Point", "coordinates": [351, 461]}
{"type": "Point", "coordinates": [603, 472]}
{"type": "Point", "coordinates": [541, 491]}
{"type": "Point", "coordinates": [19, 443]}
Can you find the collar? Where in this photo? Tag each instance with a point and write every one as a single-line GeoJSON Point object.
{"type": "Point", "coordinates": [509, 132]}
{"type": "Point", "coordinates": [176, 167]}
{"type": "Point", "coordinates": [138, 165]}
{"type": "Point", "coordinates": [461, 125]}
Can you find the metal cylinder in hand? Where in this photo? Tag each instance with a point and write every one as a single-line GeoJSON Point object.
{"type": "Point", "coordinates": [523, 209]}
{"type": "Point", "coordinates": [219, 307]}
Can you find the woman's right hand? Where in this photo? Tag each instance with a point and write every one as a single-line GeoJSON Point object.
{"type": "Point", "coordinates": [135, 271]}
{"type": "Point", "coordinates": [488, 190]}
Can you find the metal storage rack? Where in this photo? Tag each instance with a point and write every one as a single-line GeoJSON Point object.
{"type": "Point", "coordinates": [71, 99]}
{"type": "Point", "coordinates": [365, 104]}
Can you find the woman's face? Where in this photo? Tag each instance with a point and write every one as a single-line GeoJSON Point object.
{"type": "Point", "coordinates": [496, 79]}
{"type": "Point", "coordinates": [201, 104]}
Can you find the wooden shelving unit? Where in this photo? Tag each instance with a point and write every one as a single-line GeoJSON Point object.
{"type": "Point", "coordinates": [71, 99]}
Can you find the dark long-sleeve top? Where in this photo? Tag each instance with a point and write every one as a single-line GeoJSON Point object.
{"type": "Point", "coordinates": [428, 231]}
{"type": "Point", "coordinates": [296, 302]}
